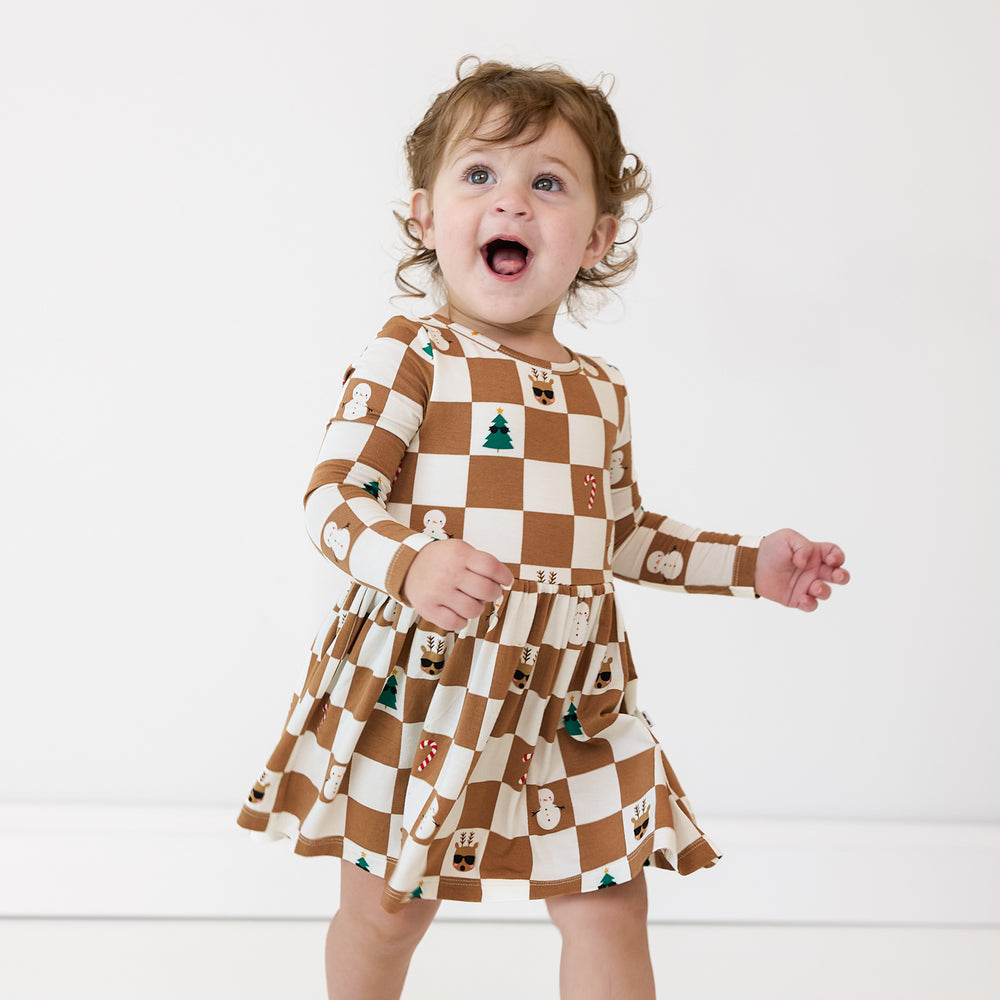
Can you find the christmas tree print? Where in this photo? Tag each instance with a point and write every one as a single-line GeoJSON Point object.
{"type": "Point", "coordinates": [571, 722]}
{"type": "Point", "coordinates": [362, 863]}
{"type": "Point", "coordinates": [389, 692]}
{"type": "Point", "coordinates": [606, 880]}
{"type": "Point", "coordinates": [374, 487]}
{"type": "Point", "coordinates": [417, 893]}
{"type": "Point", "coordinates": [499, 435]}
{"type": "Point", "coordinates": [428, 349]}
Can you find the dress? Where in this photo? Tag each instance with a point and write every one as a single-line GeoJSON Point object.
{"type": "Point", "coordinates": [508, 760]}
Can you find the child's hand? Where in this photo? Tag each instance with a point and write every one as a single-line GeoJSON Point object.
{"type": "Point", "coordinates": [796, 572]}
{"type": "Point", "coordinates": [449, 582]}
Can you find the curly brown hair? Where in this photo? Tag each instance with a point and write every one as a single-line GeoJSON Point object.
{"type": "Point", "coordinates": [529, 100]}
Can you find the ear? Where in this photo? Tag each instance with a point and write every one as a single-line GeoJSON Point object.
{"type": "Point", "coordinates": [420, 210]}
{"type": "Point", "coordinates": [603, 235]}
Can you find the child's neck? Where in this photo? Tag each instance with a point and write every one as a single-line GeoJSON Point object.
{"type": "Point", "coordinates": [533, 336]}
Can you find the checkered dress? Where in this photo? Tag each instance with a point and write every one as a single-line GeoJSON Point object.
{"type": "Point", "coordinates": [508, 760]}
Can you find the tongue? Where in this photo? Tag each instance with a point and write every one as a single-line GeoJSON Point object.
{"type": "Point", "coordinates": [507, 260]}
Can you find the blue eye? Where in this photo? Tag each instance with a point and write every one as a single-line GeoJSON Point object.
{"type": "Point", "coordinates": [479, 175]}
{"type": "Point", "coordinates": [548, 183]}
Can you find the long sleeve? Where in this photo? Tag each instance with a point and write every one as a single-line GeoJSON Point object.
{"type": "Point", "coordinates": [379, 414]}
{"type": "Point", "coordinates": [655, 550]}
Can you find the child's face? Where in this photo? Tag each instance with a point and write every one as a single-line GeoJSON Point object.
{"type": "Point", "coordinates": [536, 199]}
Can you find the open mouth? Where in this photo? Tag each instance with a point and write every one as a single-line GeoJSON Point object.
{"type": "Point", "coordinates": [506, 257]}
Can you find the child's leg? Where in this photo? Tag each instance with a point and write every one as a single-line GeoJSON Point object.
{"type": "Point", "coordinates": [605, 946]}
{"type": "Point", "coordinates": [367, 949]}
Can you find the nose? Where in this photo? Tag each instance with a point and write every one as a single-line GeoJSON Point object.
{"type": "Point", "coordinates": [511, 200]}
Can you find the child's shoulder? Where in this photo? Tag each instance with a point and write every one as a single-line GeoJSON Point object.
{"type": "Point", "coordinates": [425, 336]}
{"type": "Point", "coordinates": [598, 367]}
{"type": "Point", "coordinates": [401, 328]}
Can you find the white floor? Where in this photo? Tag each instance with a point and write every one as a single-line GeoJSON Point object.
{"type": "Point", "coordinates": [156, 960]}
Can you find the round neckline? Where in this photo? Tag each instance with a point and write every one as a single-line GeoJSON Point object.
{"type": "Point", "coordinates": [563, 367]}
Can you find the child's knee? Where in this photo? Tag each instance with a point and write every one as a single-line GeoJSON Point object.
{"type": "Point", "coordinates": [361, 905]}
{"type": "Point", "coordinates": [602, 911]}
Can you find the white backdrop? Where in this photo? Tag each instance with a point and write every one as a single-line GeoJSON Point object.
{"type": "Point", "coordinates": [196, 238]}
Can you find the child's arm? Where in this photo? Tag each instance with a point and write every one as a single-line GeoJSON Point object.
{"type": "Point", "coordinates": [381, 410]}
{"type": "Point", "coordinates": [656, 550]}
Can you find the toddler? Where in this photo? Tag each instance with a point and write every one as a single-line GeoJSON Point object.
{"type": "Point", "coordinates": [468, 726]}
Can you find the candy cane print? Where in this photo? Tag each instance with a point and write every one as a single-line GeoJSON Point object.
{"type": "Point", "coordinates": [591, 481]}
{"type": "Point", "coordinates": [524, 777]}
{"type": "Point", "coordinates": [432, 748]}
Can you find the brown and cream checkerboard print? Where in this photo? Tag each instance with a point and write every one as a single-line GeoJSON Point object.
{"type": "Point", "coordinates": [509, 760]}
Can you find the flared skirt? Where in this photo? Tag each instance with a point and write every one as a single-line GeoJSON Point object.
{"type": "Point", "coordinates": [506, 761]}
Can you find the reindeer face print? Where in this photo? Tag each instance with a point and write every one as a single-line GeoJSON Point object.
{"type": "Point", "coordinates": [603, 678]}
{"type": "Point", "coordinates": [464, 859]}
{"type": "Point", "coordinates": [432, 656]}
{"type": "Point", "coordinates": [523, 670]}
{"type": "Point", "coordinates": [259, 788]}
{"type": "Point", "coordinates": [542, 387]}
{"type": "Point", "coordinates": [640, 820]}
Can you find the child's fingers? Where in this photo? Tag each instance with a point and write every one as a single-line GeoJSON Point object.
{"type": "Point", "coordinates": [481, 588]}
{"type": "Point", "coordinates": [834, 556]}
{"type": "Point", "coordinates": [446, 618]}
{"type": "Point", "coordinates": [489, 567]}
{"type": "Point", "coordinates": [466, 606]}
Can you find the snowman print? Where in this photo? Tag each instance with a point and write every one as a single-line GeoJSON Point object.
{"type": "Point", "coordinates": [434, 521]}
{"type": "Point", "coordinates": [428, 823]}
{"type": "Point", "coordinates": [357, 406]}
{"type": "Point", "coordinates": [668, 564]}
{"type": "Point", "coordinates": [387, 614]}
{"type": "Point", "coordinates": [548, 813]}
{"type": "Point", "coordinates": [332, 784]}
{"type": "Point", "coordinates": [435, 338]}
{"type": "Point", "coordinates": [336, 539]}
{"type": "Point", "coordinates": [580, 622]}
{"type": "Point", "coordinates": [617, 467]}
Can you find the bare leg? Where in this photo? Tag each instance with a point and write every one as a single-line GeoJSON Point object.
{"type": "Point", "coordinates": [605, 946]}
{"type": "Point", "coordinates": [367, 949]}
